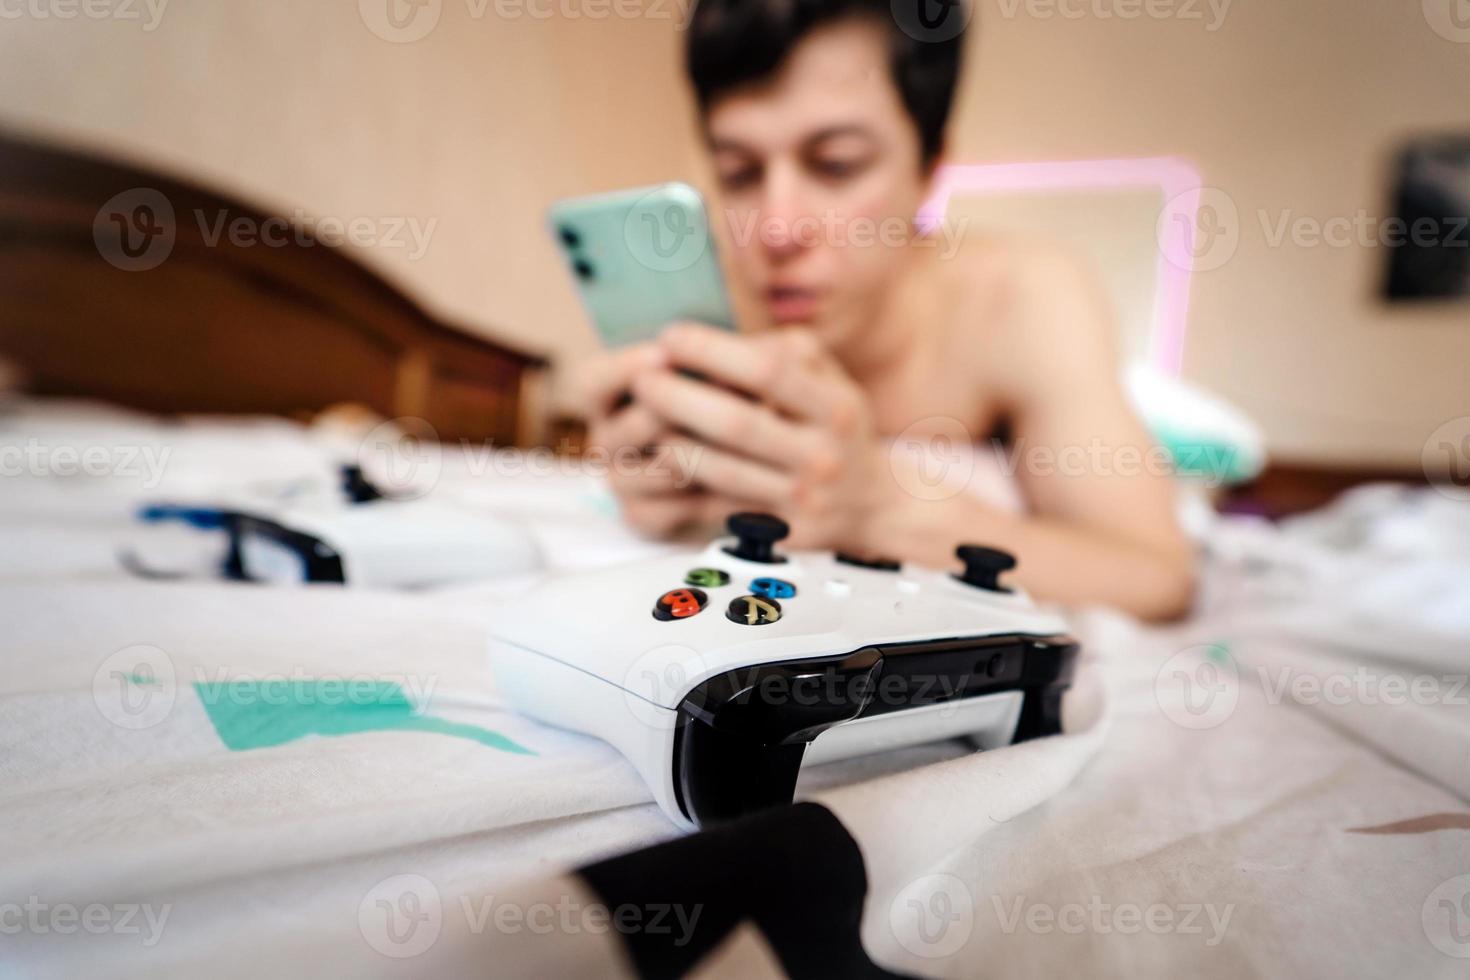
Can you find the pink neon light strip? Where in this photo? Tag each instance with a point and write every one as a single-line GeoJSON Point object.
{"type": "Point", "coordinates": [1179, 183]}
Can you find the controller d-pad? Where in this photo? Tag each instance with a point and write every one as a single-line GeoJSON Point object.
{"type": "Point", "coordinates": [753, 610]}
{"type": "Point", "coordinates": [709, 578]}
{"type": "Point", "coordinates": [773, 588]}
{"type": "Point", "coordinates": [679, 604]}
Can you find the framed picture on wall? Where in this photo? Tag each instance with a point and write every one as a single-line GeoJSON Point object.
{"type": "Point", "coordinates": [1428, 234]}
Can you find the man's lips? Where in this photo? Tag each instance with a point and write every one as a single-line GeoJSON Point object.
{"type": "Point", "coordinates": [790, 303]}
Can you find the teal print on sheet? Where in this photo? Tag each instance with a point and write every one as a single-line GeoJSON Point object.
{"type": "Point", "coordinates": [250, 715]}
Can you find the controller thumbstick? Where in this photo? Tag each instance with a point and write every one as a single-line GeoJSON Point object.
{"type": "Point", "coordinates": [756, 536]}
{"type": "Point", "coordinates": [984, 565]}
{"type": "Point", "coordinates": [356, 487]}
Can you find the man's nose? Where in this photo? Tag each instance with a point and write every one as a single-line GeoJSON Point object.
{"type": "Point", "coordinates": [785, 223]}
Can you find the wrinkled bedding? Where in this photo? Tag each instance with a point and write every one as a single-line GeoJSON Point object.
{"type": "Point", "coordinates": [225, 773]}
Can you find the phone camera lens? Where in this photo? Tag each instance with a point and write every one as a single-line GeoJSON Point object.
{"type": "Point", "coordinates": [569, 237]}
{"type": "Point", "coordinates": [583, 268]}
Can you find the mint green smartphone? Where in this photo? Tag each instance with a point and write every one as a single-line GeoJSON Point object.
{"type": "Point", "coordinates": [642, 258]}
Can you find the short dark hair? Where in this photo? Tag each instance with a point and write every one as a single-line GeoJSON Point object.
{"type": "Point", "coordinates": [734, 42]}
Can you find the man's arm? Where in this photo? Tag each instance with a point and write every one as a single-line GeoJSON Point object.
{"type": "Point", "coordinates": [1101, 524]}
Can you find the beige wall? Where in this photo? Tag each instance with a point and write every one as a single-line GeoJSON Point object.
{"type": "Point", "coordinates": [1290, 105]}
{"type": "Point", "coordinates": [1285, 106]}
{"type": "Point", "coordinates": [477, 126]}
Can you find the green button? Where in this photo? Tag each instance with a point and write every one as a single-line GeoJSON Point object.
{"type": "Point", "coordinates": [707, 578]}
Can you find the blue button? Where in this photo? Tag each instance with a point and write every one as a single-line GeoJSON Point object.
{"type": "Point", "coordinates": [772, 588]}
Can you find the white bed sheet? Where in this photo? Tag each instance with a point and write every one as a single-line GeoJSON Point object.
{"type": "Point", "coordinates": [1326, 839]}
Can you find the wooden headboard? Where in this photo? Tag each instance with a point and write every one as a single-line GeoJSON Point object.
{"type": "Point", "coordinates": [114, 285]}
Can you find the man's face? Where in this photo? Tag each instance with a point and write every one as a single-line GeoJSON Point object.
{"type": "Point", "coordinates": [821, 177]}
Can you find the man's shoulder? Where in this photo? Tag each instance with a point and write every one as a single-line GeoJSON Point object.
{"type": "Point", "coordinates": [1022, 293]}
{"type": "Point", "coordinates": [1024, 268]}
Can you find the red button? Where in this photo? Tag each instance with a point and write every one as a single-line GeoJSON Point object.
{"type": "Point", "coordinates": [679, 604]}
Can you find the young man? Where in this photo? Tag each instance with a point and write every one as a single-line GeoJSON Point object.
{"type": "Point", "coordinates": [824, 117]}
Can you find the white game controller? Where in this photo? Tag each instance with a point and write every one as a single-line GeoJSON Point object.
{"type": "Point", "coordinates": [352, 535]}
{"type": "Point", "coordinates": [719, 674]}
{"type": "Point", "coordinates": [389, 544]}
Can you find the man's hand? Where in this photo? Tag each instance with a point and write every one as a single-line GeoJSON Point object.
{"type": "Point", "coordinates": [775, 424]}
{"type": "Point", "coordinates": [657, 497]}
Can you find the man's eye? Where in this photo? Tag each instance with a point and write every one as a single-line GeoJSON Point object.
{"type": "Point", "coordinates": [737, 179]}
{"type": "Point", "coordinates": [840, 169]}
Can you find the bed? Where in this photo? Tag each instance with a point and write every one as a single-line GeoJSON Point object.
{"type": "Point", "coordinates": [1277, 786]}
{"type": "Point", "coordinates": [123, 282]}
{"type": "Point", "coordinates": [201, 777]}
